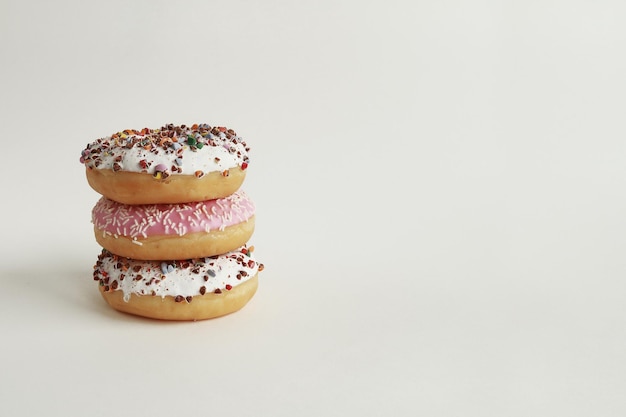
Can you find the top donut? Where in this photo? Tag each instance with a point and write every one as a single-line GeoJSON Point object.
{"type": "Point", "coordinates": [173, 164]}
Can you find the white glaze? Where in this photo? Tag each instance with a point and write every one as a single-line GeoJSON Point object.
{"type": "Point", "coordinates": [171, 278]}
{"type": "Point", "coordinates": [226, 151]}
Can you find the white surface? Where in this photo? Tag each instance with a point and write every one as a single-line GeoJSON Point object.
{"type": "Point", "coordinates": [440, 192]}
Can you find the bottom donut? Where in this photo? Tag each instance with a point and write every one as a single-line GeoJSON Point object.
{"type": "Point", "coordinates": [192, 289]}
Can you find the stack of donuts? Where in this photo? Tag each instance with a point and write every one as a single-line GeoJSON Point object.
{"type": "Point", "coordinates": [172, 221]}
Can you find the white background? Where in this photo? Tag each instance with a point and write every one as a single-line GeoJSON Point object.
{"type": "Point", "coordinates": [440, 192]}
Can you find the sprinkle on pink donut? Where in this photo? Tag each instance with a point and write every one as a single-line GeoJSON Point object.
{"type": "Point", "coordinates": [142, 221]}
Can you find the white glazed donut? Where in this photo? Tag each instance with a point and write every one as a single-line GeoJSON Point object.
{"type": "Point", "coordinates": [173, 164]}
{"type": "Point", "coordinates": [174, 231]}
{"type": "Point", "coordinates": [193, 289]}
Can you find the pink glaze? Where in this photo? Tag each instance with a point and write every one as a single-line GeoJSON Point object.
{"type": "Point", "coordinates": [142, 221]}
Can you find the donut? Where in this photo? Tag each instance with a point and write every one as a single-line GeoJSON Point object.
{"type": "Point", "coordinates": [174, 231]}
{"type": "Point", "coordinates": [173, 164]}
{"type": "Point", "coordinates": [192, 289]}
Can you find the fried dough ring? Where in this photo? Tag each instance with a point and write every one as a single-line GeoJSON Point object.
{"type": "Point", "coordinates": [191, 245]}
{"type": "Point", "coordinates": [201, 307]}
{"type": "Point", "coordinates": [142, 188]}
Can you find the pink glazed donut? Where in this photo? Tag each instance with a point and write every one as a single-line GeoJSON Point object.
{"type": "Point", "coordinates": [174, 231]}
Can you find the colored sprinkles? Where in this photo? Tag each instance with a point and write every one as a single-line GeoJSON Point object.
{"type": "Point", "coordinates": [190, 150]}
{"type": "Point", "coordinates": [181, 279]}
{"type": "Point", "coordinates": [194, 150]}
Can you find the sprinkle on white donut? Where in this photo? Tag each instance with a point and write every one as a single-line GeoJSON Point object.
{"type": "Point", "coordinates": [170, 150]}
{"type": "Point", "coordinates": [181, 279]}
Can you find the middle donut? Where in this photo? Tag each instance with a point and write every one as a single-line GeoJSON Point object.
{"type": "Point", "coordinates": [174, 231]}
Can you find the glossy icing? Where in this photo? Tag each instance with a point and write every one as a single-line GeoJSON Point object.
{"type": "Point", "coordinates": [170, 150]}
{"type": "Point", "coordinates": [142, 221]}
{"type": "Point", "coordinates": [179, 279]}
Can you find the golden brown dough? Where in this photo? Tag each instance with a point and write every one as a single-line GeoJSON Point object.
{"type": "Point", "coordinates": [200, 307]}
{"type": "Point", "coordinates": [142, 188]}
